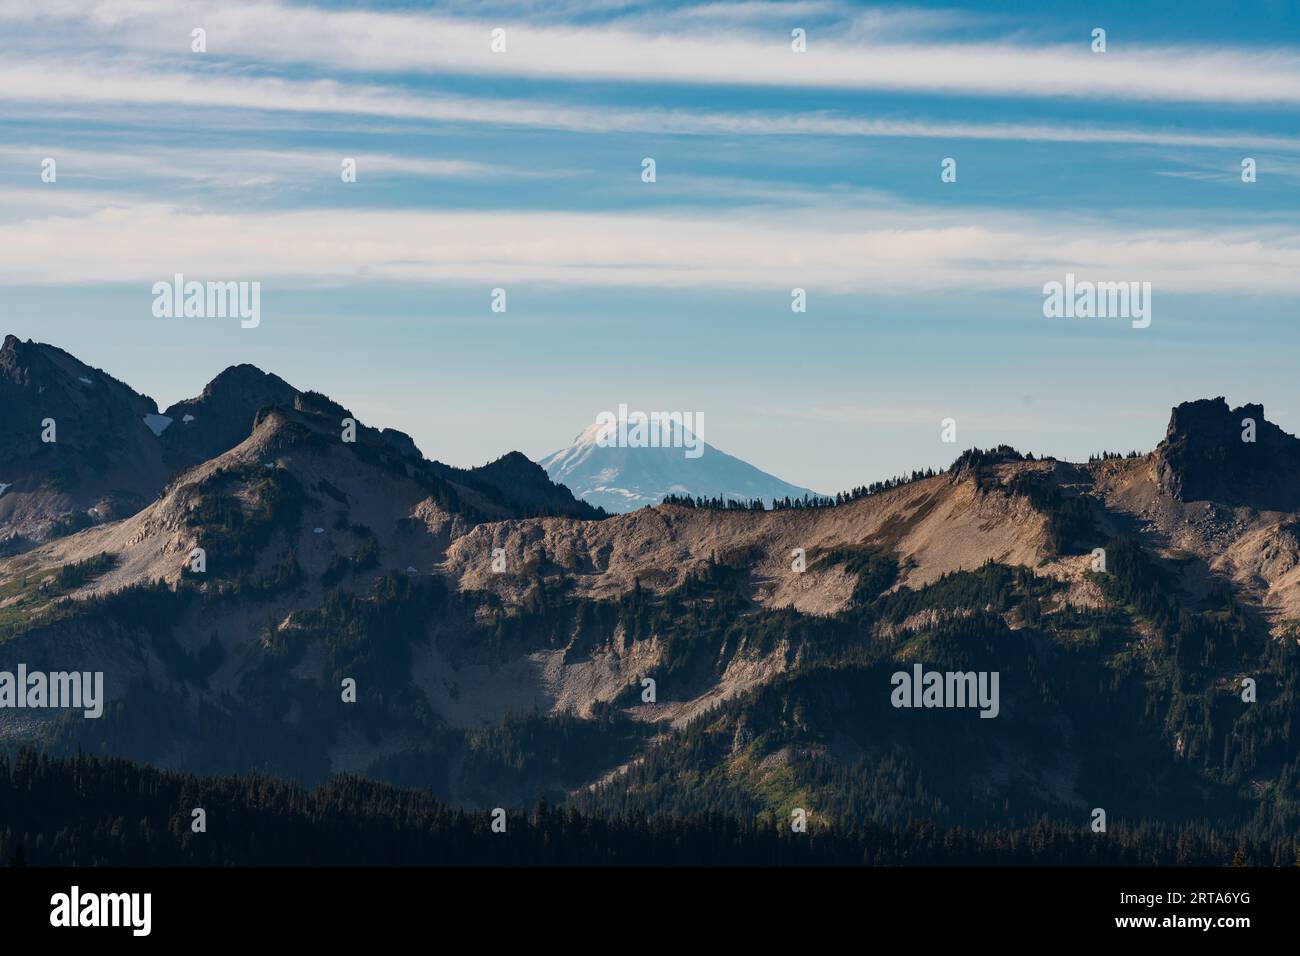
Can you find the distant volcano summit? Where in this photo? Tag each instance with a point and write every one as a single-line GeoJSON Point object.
{"type": "Point", "coordinates": [602, 471]}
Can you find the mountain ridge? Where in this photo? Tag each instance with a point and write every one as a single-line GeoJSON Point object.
{"type": "Point", "coordinates": [501, 653]}
{"type": "Point", "coordinates": [114, 452]}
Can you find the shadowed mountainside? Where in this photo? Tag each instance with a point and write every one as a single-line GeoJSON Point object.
{"type": "Point", "coordinates": [500, 634]}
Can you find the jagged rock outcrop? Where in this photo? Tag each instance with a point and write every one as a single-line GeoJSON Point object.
{"type": "Point", "coordinates": [1207, 455]}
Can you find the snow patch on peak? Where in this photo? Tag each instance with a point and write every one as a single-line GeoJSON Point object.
{"type": "Point", "coordinates": [591, 434]}
{"type": "Point", "coordinates": [621, 476]}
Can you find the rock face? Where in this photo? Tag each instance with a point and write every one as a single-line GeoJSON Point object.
{"type": "Point", "coordinates": [113, 453]}
{"type": "Point", "coordinates": [104, 463]}
{"type": "Point", "coordinates": [221, 416]}
{"type": "Point", "coordinates": [1206, 455]}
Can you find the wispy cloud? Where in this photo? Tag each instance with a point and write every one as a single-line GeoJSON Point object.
{"type": "Point", "coordinates": [673, 51]}
{"type": "Point", "coordinates": [901, 250]}
{"type": "Point", "coordinates": [108, 85]}
{"type": "Point", "coordinates": [776, 170]}
{"type": "Point", "coordinates": [1229, 174]}
{"type": "Point", "coordinates": [245, 167]}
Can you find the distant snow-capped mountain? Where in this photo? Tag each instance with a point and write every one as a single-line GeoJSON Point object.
{"type": "Point", "coordinates": [621, 479]}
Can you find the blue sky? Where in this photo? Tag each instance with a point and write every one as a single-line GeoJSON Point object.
{"type": "Point", "coordinates": [775, 170]}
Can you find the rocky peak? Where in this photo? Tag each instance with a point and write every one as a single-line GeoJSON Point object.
{"type": "Point", "coordinates": [24, 363]}
{"type": "Point", "coordinates": [401, 441]}
{"type": "Point", "coordinates": [221, 416]}
{"type": "Point", "coordinates": [1207, 455]}
{"type": "Point", "coordinates": [248, 379]}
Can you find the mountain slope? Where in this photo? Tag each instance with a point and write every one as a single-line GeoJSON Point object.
{"type": "Point", "coordinates": [105, 461]}
{"type": "Point", "coordinates": [938, 524]}
{"type": "Point", "coordinates": [1231, 505]}
{"type": "Point", "coordinates": [500, 657]}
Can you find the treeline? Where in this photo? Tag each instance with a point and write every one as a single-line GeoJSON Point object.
{"type": "Point", "coordinates": [971, 459]}
{"type": "Point", "coordinates": [82, 811]}
{"type": "Point", "coordinates": [1113, 455]}
{"type": "Point", "coordinates": [800, 503]}
{"type": "Point", "coordinates": [853, 494]}
{"type": "Point", "coordinates": [715, 503]}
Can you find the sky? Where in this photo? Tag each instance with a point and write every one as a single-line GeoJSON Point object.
{"type": "Point", "coordinates": [522, 170]}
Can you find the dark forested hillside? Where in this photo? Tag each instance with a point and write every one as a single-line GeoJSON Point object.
{"type": "Point", "coordinates": [1150, 732]}
{"type": "Point", "coordinates": [84, 811]}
